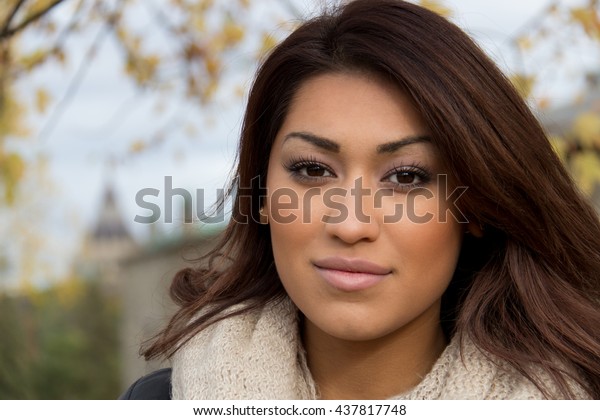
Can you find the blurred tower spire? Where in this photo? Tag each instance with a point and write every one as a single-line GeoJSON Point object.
{"type": "Point", "coordinates": [108, 241]}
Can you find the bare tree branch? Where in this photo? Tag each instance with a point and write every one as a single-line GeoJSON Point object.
{"type": "Point", "coordinates": [8, 32]}
{"type": "Point", "coordinates": [75, 82]}
{"type": "Point", "coordinates": [11, 15]}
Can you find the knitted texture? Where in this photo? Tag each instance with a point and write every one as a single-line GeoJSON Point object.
{"type": "Point", "coordinates": [259, 355]}
{"type": "Point", "coordinates": [250, 356]}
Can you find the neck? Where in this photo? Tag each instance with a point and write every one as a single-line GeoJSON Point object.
{"type": "Point", "coordinates": [373, 369]}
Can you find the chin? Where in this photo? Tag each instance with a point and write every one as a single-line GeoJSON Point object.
{"type": "Point", "coordinates": [352, 329]}
{"type": "Point", "coordinates": [357, 335]}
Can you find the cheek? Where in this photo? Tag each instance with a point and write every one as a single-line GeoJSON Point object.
{"type": "Point", "coordinates": [294, 224]}
{"type": "Point", "coordinates": [425, 239]}
{"type": "Point", "coordinates": [283, 206]}
{"type": "Point", "coordinates": [290, 242]}
{"type": "Point", "coordinates": [430, 251]}
{"type": "Point", "coordinates": [290, 207]}
{"type": "Point", "coordinates": [291, 221]}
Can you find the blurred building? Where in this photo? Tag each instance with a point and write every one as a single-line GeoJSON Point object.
{"type": "Point", "coordinates": [144, 282]}
{"type": "Point", "coordinates": [107, 243]}
{"type": "Point", "coordinates": [139, 275]}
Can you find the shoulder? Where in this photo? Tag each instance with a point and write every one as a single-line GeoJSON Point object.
{"type": "Point", "coordinates": [154, 386]}
{"type": "Point", "coordinates": [477, 375]}
{"type": "Point", "coordinates": [463, 371]}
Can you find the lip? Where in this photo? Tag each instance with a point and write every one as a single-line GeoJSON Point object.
{"type": "Point", "coordinates": [350, 275]}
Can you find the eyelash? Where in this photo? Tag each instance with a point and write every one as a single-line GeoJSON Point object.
{"type": "Point", "coordinates": [414, 169]}
{"type": "Point", "coordinates": [297, 165]}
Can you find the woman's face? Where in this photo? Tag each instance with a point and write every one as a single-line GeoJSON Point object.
{"type": "Point", "coordinates": [362, 240]}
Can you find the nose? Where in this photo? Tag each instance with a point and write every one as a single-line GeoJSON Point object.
{"type": "Point", "coordinates": [351, 217]}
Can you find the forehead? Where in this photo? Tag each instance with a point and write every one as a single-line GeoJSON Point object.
{"type": "Point", "coordinates": [352, 108]}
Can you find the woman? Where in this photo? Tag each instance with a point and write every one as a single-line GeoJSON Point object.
{"type": "Point", "coordinates": [401, 228]}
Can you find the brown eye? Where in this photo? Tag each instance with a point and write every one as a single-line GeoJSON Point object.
{"type": "Point", "coordinates": [405, 177]}
{"type": "Point", "coordinates": [315, 170]}
{"type": "Point", "coordinates": [305, 170]}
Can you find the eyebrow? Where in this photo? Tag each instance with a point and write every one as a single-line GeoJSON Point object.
{"type": "Point", "coordinates": [392, 146]}
{"type": "Point", "coordinates": [332, 146]}
{"type": "Point", "coordinates": [320, 142]}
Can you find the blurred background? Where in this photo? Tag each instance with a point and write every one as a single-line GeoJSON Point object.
{"type": "Point", "coordinates": [119, 122]}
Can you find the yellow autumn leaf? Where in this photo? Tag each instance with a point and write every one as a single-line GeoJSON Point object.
{"type": "Point", "coordinates": [586, 170]}
{"type": "Point", "coordinates": [60, 56]}
{"type": "Point", "coordinates": [586, 129]}
{"type": "Point", "coordinates": [268, 42]}
{"type": "Point", "coordinates": [209, 91]}
{"type": "Point", "coordinates": [437, 7]}
{"type": "Point", "coordinates": [212, 65]}
{"type": "Point", "coordinates": [121, 34]}
{"type": "Point", "coordinates": [49, 27]}
{"type": "Point", "coordinates": [191, 86]}
{"type": "Point", "coordinates": [151, 63]}
{"type": "Point", "coordinates": [33, 7]}
{"type": "Point", "coordinates": [42, 99]}
{"type": "Point", "coordinates": [33, 59]}
{"type": "Point", "coordinates": [524, 43]}
{"type": "Point", "coordinates": [232, 33]}
{"type": "Point", "coordinates": [12, 112]}
{"type": "Point", "coordinates": [135, 43]}
{"type": "Point", "coordinates": [142, 68]}
{"type": "Point", "coordinates": [588, 18]}
{"type": "Point", "coordinates": [193, 51]}
{"type": "Point", "coordinates": [559, 145]}
{"type": "Point", "coordinates": [137, 146]}
{"type": "Point", "coordinates": [201, 6]}
{"type": "Point", "coordinates": [198, 22]}
{"type": "Point", "coordinates": [544, 103]}
{"type": "Point", "coordinates": [12, 169]}
{"type": "Point", "coordinates": [239, 91]}
{"type": "Point", "coordinates": [523, 83]}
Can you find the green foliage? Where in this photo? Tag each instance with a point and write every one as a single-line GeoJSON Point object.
{"type": "Point", "coordinates": [14, 368]}
{"type": "Point", "coordinates": [61, 343]}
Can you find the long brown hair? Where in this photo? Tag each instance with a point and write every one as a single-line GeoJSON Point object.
{"type": "Point", "coordinates": [527, 292]}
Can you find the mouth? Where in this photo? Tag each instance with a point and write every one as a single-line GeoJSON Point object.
{"type": "Point", "coordinates": [350, 275]}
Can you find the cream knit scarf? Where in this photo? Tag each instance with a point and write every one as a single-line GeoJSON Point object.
{"type": "Point", "coordinates": [259, 355]}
